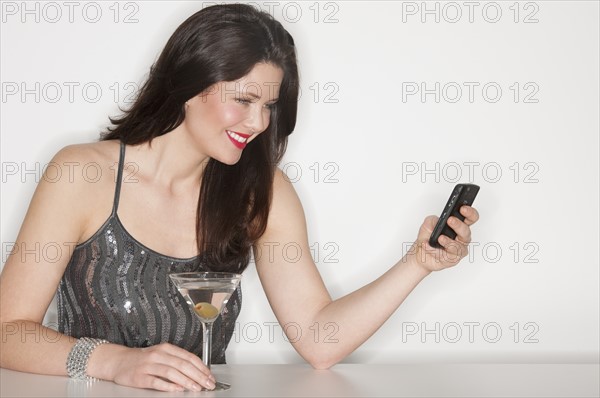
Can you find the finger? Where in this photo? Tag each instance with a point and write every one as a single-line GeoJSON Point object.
{"type": "Point", "coordinates": [174, 375]}
{"type": "Point", "coordinates": [194, 377]}
{"type": "Point", "coordinates": [160, 384]}
{"type": "Point", "coordinates": [438, 257]}
{"type": "Point", "coordinates": [146, 380]}
{"type": "Point", "coordinates": [427, 227]}
{"type": "Point", "coordinates": [188, 357]}
{"type": "Point", "coordinates": [429, 224]}
{"type": "Point", "coordinates": [430, 249]}
{"type": "Point", "coordinates": [433, 252]}
{"type": "Point", "coordinates": [471, 214]}
{"type": "Point", "coordinates": [462, 230]}
{"type": "Point", "coordinates": [191, 371]}
{"type": "Point", "coordinates": [453, 250]}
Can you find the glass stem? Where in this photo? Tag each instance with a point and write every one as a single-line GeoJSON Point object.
{"type": "Point", "coordinates": [206, 342]}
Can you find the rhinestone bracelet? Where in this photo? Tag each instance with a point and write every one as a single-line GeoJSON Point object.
{"type": "Point", "coordinates": [78, 358]}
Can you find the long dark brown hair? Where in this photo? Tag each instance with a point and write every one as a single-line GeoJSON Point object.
{"type": "Point", "coordinates": [217, 44]}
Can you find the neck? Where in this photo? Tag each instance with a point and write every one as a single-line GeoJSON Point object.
{"type": "Point", "coordinates": [170, 161]}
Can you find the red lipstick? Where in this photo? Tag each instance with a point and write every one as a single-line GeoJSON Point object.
{"type": "Point", "coordinates": [238, 144]}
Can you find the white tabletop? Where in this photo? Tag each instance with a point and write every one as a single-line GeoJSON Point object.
{"type": "Point", "coordinates": [346, 380]}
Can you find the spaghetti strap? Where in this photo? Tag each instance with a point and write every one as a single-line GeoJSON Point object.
{"type": "Point", "coordinates": [119, 178]}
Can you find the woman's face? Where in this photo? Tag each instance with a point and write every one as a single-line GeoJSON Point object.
{"type": "Point", "coordinates": [227, 116]}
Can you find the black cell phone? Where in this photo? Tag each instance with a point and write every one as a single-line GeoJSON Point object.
{"type": "Point", "coordinates": [463, 194]}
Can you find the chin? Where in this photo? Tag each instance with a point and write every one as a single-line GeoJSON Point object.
{"type": "Point", "coordinates": [228, 160]}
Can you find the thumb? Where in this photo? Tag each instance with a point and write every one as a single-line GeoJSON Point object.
{"type": "Point", "coordinates": [427, 227]}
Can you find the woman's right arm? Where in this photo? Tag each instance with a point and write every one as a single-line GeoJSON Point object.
{"type": "Point", "coordinates": [52, 227]}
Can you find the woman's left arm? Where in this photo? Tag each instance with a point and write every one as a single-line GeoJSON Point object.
{"type": "Point", "coordinates": [300, 299]}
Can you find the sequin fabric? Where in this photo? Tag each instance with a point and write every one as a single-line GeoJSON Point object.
{"type": "Point", "coordinates": [117, 289]}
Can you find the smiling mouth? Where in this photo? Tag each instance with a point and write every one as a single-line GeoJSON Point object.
{"type": "Point", "coordinates": [238, 139]}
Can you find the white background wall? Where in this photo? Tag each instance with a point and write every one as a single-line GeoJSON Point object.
{"type": "Point", "coordinates": [370, 158]}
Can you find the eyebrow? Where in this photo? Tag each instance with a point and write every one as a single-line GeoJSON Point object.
{"type": "Point", "coordinates": [251, 94]}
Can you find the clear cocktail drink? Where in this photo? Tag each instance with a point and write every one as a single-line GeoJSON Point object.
{"type": "Point", "coordinates": [207, 294]}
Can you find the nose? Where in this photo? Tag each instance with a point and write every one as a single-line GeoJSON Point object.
{"type": "Point", "coordinates": [258, 120]}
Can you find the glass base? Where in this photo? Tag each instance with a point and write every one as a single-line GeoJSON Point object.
{"type": "Point", "coordinates": [219, 387]}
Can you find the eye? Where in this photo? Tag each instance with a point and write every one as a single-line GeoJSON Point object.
{"type": "Point", "coordinates": [242, 101]}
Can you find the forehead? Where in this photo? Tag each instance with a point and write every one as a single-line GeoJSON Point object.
{"type": "Point", "coordinates": [264, 80]}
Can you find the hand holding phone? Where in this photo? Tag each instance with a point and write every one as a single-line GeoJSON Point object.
{"type": "Point", "coordinates": [463, 194]}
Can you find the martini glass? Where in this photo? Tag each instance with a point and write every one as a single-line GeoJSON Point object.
{"type": "Point", "coordinates": [207, 293]}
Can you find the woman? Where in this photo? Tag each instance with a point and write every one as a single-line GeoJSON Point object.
{"type": "Point", "coordinates": [196, 188]}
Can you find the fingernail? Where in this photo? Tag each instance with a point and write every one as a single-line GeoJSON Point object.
{"type": "Point", "coordinates": [212, 378]}
{"type": "Point", "coordinates": [210, 384]}
{"type": "Point", "coordinates": [196, 387]}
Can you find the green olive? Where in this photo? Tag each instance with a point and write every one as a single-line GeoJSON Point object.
{"type": "Point", "coordinates": [206, 310]}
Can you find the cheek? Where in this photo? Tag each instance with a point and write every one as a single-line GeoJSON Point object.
{"type": "Point", "coordinates": [231, 114]}
{"type": "Point", "coordinates": [266, 119]}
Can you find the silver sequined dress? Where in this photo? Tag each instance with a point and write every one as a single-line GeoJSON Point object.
{"type": "Point", "coordinates": [117, 289]}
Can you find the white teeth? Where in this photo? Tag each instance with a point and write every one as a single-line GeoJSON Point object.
{"type": "Point", "coordinates": [236, 137]}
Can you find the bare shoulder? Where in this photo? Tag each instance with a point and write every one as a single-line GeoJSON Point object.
{"type": "Point", "coordinates": [281, 181]}
{"type": "Point", "coordinates": [78, 184]}
{"type": "Point", "coordinates": [101, 152]}
{"type": "Point", "coordinates": [286, 208]}
{"type": "Point", "coordinates": [284, 194]}
{"type": "Point", "coordinates": [84, 167]}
